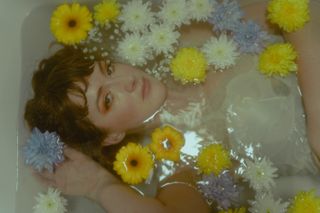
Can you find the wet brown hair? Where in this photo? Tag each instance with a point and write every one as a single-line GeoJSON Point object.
{"type": "Point", "coordinates": [50, 109]}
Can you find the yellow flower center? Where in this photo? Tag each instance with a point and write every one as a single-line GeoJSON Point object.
{"type": "Point", "coordinates": [289, 9]}
{"type": "Point", "coordinates": [72, 23]}
{"type": "Point", "coordinates": [166, 144]}
{"type": "Point", "coordinates": [134, 162]}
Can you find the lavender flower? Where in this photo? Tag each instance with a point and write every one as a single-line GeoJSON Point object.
{"type": "Point", "coordinates": [226, 16]}
{"type": "Point", "coordinates": [43, 150]}
{"type": "Point", "coordinates": [220, 189]}
{"type": "Point", "coordinates": [250, 37]}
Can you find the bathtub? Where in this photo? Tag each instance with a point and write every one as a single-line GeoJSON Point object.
{"type": "Point", "coordinates": [21, 47]}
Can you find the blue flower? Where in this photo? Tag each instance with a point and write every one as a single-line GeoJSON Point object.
{"type": "Point", "coordinates": [226, 16]}
{"type": "Point", "coordinates": [43, 150]}
{"type": "Point", "coordinates": [250, 37]}
{"type": "Point", "coordinates": [220, 189]}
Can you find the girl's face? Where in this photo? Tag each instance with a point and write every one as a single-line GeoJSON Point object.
{"type": "Point", "coordinates": [120, 97]}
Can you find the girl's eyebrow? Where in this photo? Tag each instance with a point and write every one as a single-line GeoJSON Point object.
{"type": "Point", "coordinates": [99, 93]}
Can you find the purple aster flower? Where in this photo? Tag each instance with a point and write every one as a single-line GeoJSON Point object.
{"type": "Point", "coordinates": [226, 15]}
{"type": "Point", "coordinates": [220, 189]}
{"type": "Point", "coordinates": [43, 150]}
{"type": "Point", "coordinates": [250, 37]}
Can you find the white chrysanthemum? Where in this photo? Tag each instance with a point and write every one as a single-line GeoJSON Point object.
{"type": "Point", "coordinates": [266, 204]}
{"type": "Point", "coordinates": [162, 38]}
{"type": "Point", "coordinates": [200, 10]}
{"type": "Point", "coordinates": [136, 16]}
{"type": "Point", "coordinates": [220, 52]}
{"type": "Point", "coordinates": [52, 202]}
{"type": "Point", "coordinates": [134, 49]}
{"type": "Point", "coordinates": [260, 174]}
{"type": "Point", "coordinates": [174, 12]}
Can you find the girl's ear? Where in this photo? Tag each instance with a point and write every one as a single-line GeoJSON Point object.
{"type": "Point", "coordinates": [113, 138]}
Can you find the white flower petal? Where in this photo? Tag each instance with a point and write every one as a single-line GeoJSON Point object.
{"type": "Point", "coordinates": [174, 12]}
{"type": "Point", "coordinates": [52, 202]}
{"type": "Point", "coordinates": [200, 10]}
{"type": "Point", "coordinates": [266, 203]}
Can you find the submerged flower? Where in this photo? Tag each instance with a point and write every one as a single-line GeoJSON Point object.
{"type": "Point", "coordinates": [52, 202]}
{"type": "Point", "coordinates": [174, 12]}
{"type": "Point", "coordinates": [220, 52]}
{"type": "Point", "coordinates": [265, 203]}
{"type": "Point", "coordinates": [278, 59]}
{"type": "Point", "coordinates": [136, 16]}
{"type": "Point", "coordinates": [238, 210]}
{"type": "Point", "coordinates": [250, 37]}
{"type": "Point", "coordinates": [220, 189]}
{"type": "Point", "coordinates": [43, 150]}
{"type": "Point", "coordinates": [189, 65]}
{"type": "Point", "coordinates": [226, 16]}
{"type": "Point", "coordinates": [106, 11]}
{"type": "Point", "coordinates": [305, 202]}
{"type": "Point", "coordinates": [200, 10]}
{"type": "Point", "coordinates": [290, 15]}
{"type": "Point", "coordinates": [213, 158]}
{"type": "Point", "coordinates": [167, 143]}
{"type": "Point", "coordinates": [162, 38]}
{"type": "Point", "coordinates": [70, 23]}
{"type": "Point", "coordinates": [260, 174]}
{"type": "Point", "coordinates": [133, 163]}
{"type": "Point", "coordinates": [134, 49]}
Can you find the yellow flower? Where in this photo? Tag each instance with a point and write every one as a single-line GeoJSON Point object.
{"type": "Point", "coordinates": [166, 143]}
{"type": "Point", "coordinates": [278, 59]}
{"type": "Point", "coordinates": [213, 158]}
{"type": "Point", "coordinates": [106, 11]}
{"type": "Point", "coordinates": [290, 15]}
{"type": "Point", "coordinates": [238, 210]}
{"type": "Point", "coordinates": [133, 163]}
{"type": "Point", "coordinates": [305, 202]}
{"type": "Point", "coordinates": [70, 23]}
{"type": "Point", "coordinates": [189, 65]}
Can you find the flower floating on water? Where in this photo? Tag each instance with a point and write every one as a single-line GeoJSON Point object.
{"type": "Point", "coordinates": [174, 12]}
{"type": "Point", "coordinates": [52, 202]}
{"type": "Point", "coordinates": [305, 202]}
{"type": "Point", "coordinates": [162, 38]}
{"type": "Point", "coordinates": [250, 37]}
{"type": "Point", "coordinates": [213, 158]}
{"type": "Point", "coordinates": [260, 174]}
{"type": "Point", "coordinates": [133, 163]}
{"type": "Point", "coordinates": [220, 52]}
{"type": "Point", "coordinates": [134, 49]}
{"type": "Point", "coordinates": [238, 210]}
{"type": "Point", "coordinates": [167, 143]}
{"type": "Point", "coordinates": [290, 15]}
{"type": "Point", "coordinates": [189, 65]}
{"type": "Point", "coordinates": [220, 189]}
{"type": "Point", "coordinates": [278, 59]}
{"type": "Point", "coordinates": [70, 23]}
{"type": "Point", "coordinates": [136, 16]}
{"type": "Point", "coordinates": [106, 11]}
{"type": "Point", "coordinates": [226, 16]}
{"type": "Point", "coordinates": [266, 203]}
{"type": "Point", "coordinates": [43, 150]}
{"type": "Point", "coordinates": [200, 10]}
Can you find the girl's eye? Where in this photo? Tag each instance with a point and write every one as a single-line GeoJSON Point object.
{"type": "Point", "coordinates": [110, 69]}
{"type": "Point", "coordinates": [108, 100]}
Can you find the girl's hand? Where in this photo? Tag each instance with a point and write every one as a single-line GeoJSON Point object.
{"type": "Point", "coordinates": [78, 175]}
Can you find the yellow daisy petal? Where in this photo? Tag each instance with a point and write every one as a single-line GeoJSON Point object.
{"type": "Point", "coordinates": [133, 163]}
{"type": "Point", "coordinates": [278, 59]}
{"type": "Point", "coordinates": [290, 15]}
{"type": "Point", "coordinates": [106, 11]}
{"type": "Point", "coordinates": [305, 202]}
{"type": "Point", "coordinates": [213, 158]}
{"type": "Point", "coordinates": [166, 143]}
{"type": "Point", "coordinates": [189, 65]}
{"type": "Point", "coordinates": [70, 23]}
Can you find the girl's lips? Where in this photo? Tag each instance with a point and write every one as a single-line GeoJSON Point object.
{"type": "Point", "coordinates": [145, 89]}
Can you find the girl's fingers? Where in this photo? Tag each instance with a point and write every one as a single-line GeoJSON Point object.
{"type": "Point", "coordinates": [45, 181]}
{"type": "Point", "coordinates": [72, 154]}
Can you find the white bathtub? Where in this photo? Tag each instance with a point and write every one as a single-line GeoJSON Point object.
{"type": "Point", "coordinates": [20, 49]}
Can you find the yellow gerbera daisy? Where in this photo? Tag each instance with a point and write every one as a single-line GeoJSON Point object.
{"type": "Point", "coordinates": [238, 210]}
{"type": "Point", "coordinates": [70, 23]}
{"type": "Point", "coordinates": [290, 15]}
{"type": "Point", "coordinates": [166, 143]}
{"type": "Point", "coordinates": [106, 11]}
{"type": "Point", "coordinates": [278, 59]}
{"type": "Point", "coordinates": [213, 158]}
{"type": "Point", "coordinates": [189, 65]}
{"type": "Point", "coordinates": [133, 163]}
{"type": "Point", "coordinates": [305, 202]}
